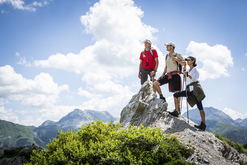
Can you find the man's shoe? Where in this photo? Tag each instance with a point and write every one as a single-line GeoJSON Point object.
{"type": "Point", "coordinates": [179, 111]}
{"type": "Point", "coordinates": [174, 113]}
{"type": "Point", "coordinates": [202, 126]}
{"type": "Point", "coordinates": [163, 98]}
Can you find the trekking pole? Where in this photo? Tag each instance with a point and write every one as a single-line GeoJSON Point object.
{"type": "Point", "coordinates": [186, 99]}
{"type": "Point", "coordinates": [181, 104]}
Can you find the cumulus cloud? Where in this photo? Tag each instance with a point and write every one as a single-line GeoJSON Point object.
{"type": "Point", "coordinates": [8, 115]}
{"type": "Point", "coordinates": [20, 4]}
{"type": "Point", "coordinates": [41, 91]}
{"type": "Point", "coordinates": [215, 59]}
{"type": "Point", "coordinates": [118, 32]}
{"type": "Point", "coordinates": [234, 114]}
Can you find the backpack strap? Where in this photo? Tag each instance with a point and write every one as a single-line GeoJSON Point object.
{"type": "Point", "coordinates": [176, 61]}
{"type": "Point", "coordinates": [151, 52]}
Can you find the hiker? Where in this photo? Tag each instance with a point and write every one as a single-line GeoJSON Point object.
{"type": "Point", "coordinates": [171, 74]}
{"type": "Point", "coordinates": [148, 62]}
{"type": "Point", "coordinates": [194, 91]}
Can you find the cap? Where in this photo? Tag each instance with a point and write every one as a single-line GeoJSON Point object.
{"type": "Point", "coordinates": [170, 43]}
{"type": "Point", "coordinates": [147, 41]}
{"type": "Point", "coordinates": [190, 58]}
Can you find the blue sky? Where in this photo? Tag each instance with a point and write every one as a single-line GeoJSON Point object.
{"type": "Point", "coordinates": [60, 55]}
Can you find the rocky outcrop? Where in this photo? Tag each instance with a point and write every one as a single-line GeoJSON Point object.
{"type": "Point", "coordinates": [146, 109]}
{"type": "Point", "coordinates": [16, 155]}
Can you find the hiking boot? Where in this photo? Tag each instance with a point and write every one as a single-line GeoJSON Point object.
{"type": "Point", "coordinates": [179, 112]}
{"type": "Point", "coordinates": [174, 113]}
{"type": "Point", "coordinates": [163, 98]}
{"type": "Point", "coordinates": [202, 126]}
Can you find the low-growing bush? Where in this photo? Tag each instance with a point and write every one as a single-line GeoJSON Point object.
{"type": "Point", "coordinates": [108, 144]}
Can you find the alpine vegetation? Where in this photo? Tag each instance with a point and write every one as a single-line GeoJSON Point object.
{"type": "Point", "coordinates": [107, 143]}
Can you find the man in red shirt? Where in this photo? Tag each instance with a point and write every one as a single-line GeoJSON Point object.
{"type": "Point", "coordinates": [148, 62]}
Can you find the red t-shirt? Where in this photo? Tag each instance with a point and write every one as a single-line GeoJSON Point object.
{"type": "Point", "coordinates": [151, 60]}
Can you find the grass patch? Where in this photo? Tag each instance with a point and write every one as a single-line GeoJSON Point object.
{"type": "Point", "coordinates": [240, 148]}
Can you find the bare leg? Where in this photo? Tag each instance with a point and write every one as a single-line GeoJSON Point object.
{"type": "Point", "coordinates": [202, 113]}
{"type": "Point", "coordinates": [156, 87]}
{"type": "Point", "coordinates": [176, 101]}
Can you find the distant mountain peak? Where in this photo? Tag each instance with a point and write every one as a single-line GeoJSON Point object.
{"type": "Point", "coordinates": [48, 122]}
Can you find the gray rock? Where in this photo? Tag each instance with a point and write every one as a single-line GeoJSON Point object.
{"type": "Point", "coordinates": [146, 109]}
{"type": "Point", "coordinates": [16, 155]}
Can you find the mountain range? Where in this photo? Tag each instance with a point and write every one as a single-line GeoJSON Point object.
{"type": "Point", "coordinates": [15, 135]}
{"type": "Point", "coordinates": [219, 122]}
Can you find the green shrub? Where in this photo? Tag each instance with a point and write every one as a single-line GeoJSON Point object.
{"type": "Point", "coordinates": [106, 143]}
{"type": "Point", "coordinates": [240, 148]}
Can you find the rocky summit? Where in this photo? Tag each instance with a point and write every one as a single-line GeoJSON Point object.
{"type": "Point", "coordinates": [146, 109]}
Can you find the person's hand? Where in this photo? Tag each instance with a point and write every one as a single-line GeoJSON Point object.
{"type": "Point", "coordinates": [153, 73]}
{"type": "Point", "coordinates": [174, 59]}
{"type": "Point", "coordinates": [139, 75]}
{"type": "Point", "coordinates": [153, 79]}
{"type": "Point", "coordinates": [185, 73]}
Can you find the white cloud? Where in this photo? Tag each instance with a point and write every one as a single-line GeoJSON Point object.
{"type": "Point", "coordinates": [8, 115]}
{"type": "Point", "coordinates": [22, 60]}
{"type": "Point", "coordinates": [234, 114]}
{"type": "Point", "coordinates": [20, 4]}
{"type": "Point", "coordinates": [52, 112]}
{"type": "Point", "coordinates": [118, 32]}
{"type": "Point", "coordinates": [41, 91]}
{"type": "Point", "coordinates": [85, 93]}
{"type": "Point", "coordinates": [243, 69]}
{"type": "Point", "coordinates": [215, 59]}
{"type": "Point", "coordinates": [245, 54]}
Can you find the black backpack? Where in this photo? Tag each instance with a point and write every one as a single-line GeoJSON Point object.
{"type": "Point", "coordinates": [179, 65]}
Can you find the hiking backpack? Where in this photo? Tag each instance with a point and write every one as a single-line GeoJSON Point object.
{"type": "Point", "coordinates": [179, 65]}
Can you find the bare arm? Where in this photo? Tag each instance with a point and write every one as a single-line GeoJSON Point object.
{"type": "Point", "coordinates": [165, 70]}
{"type": "Point", "coordinates": [156, 63]}
{"type": "Point", "coordinates": [140, 66]}
{"type": "Point", "coordinates": [181, 62]}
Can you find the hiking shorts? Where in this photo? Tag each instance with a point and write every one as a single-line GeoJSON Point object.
{"type": "Point", "coordinates": [144, 75]}
{"type": "Point", "coordinates": [183, 94]}
{"type": "Point", "coordinates": [176, 83]}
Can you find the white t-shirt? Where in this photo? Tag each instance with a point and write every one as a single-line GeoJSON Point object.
{"type": "Point", "coordinates": [195, 77]}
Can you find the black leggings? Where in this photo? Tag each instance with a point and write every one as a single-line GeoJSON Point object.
{"type": "Point", "coordinates": [183, 94]}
